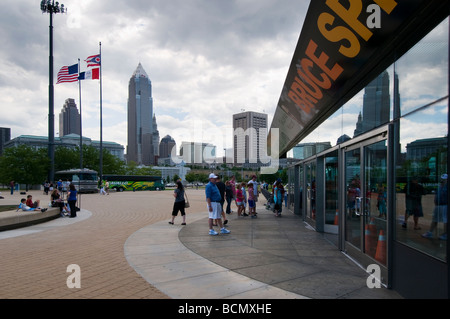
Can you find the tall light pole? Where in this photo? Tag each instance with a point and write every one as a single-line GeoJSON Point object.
{"type": "Point", "coordinates": [51, 7]}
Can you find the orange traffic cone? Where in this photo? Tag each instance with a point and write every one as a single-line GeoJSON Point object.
{"type": "Point", "coordinates": [336, 218]}
{"type": "Point", "coordinates": [369, 242]}
{"type": "Point", "coordinates": [380, 254]}
{"type": "Point", "coordinates": [373, 227]}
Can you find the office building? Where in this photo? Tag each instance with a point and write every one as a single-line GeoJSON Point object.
{"type": "Point", "coordinates": [249, 138]}
{"type": "Point", "coordinates": [5, 136]}
{"type": "Point", "coordinates": [166, 147]}
{"type": "Point", "coordinates": [305, 150]}
{"type": "Point", "coordinates": [69, 118]}
{"type": "Point", "coordinates": [143, 137]}
{"type": "Point", "coordinates": [69, 141]}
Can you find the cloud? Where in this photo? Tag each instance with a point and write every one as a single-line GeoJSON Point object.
{"type": "Point", "coordinates": [207, 60]}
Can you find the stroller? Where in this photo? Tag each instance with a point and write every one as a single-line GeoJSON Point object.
{"type": "Point", "coordinates": [270, 205]}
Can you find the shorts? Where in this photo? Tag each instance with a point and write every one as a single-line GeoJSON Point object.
{"type": "Point", "coordinates": [417, 212]}
{"type": "Point", "coordinates": [251, 203]}
{"type": "Point", "coordinates": [179, 206]}
{"type": "Point", "coordinates": [440, 214]}
{"type": "Point", "coordinates": [216, 211]}
{"type": "Point", "coordinates": [239, 203]}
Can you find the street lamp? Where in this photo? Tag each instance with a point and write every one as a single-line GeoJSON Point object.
{"type": "Point", "coordinates": [51, 7]}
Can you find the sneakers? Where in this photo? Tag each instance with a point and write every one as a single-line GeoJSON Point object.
{"type": "Point", "coordinates": [223, 230]}
{"type": "Point", "coordinates": [428, 234]}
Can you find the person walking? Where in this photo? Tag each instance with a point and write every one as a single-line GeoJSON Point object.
{"type": "Point", "coordinates": [440, 209]}
{"type": "Point", "coordinates": [11, 186]}
{"type": "Point", "coordinates": [72, 199]}
{"type": "Point", "coordinates": [213, 204]}
{"type": "Point", "coordinates": [102, 188]}
{"type": "Point", "coordinates": [222, 188]}
{"type": "Point", "coordinates": [413, 200]}
{"type": "Point", "coordinates": [179, 203]}
{"type": "Point", "coordinates": [278, 194]}
{"type": "Point", "coordinates": [228, 196]}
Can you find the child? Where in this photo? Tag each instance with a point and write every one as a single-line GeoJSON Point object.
{"type": "Point", "coordinates": [239, 201]}
{"type": "Point", "coordinates": [30, 203]}
{"type": "Point", "coordinates": [251, 201]}
{"type": "Point", "coordinates": [244, 193]}
{"type": "Point", "coordinates": [24, 206]}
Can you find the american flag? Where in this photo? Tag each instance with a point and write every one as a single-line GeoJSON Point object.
{"type": "Point", "coordinates": [93, 60]}
{"type": "Point", "coordinates": [68, 74]}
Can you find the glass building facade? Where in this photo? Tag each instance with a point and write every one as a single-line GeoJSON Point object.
{"type": "Point", "coordinates": [380, 191]}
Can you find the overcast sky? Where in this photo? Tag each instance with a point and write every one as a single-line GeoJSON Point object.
{"type": "Point", "coordinates": [207, 60]}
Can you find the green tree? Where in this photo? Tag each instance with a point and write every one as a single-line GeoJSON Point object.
{"type": "Point", "coordinates": [191, 177]}
{"type": "Point", "coordinates": [24, 165]}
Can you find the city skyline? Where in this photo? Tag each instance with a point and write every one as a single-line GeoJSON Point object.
{"type": "Point", "coordinates": [206, 62]}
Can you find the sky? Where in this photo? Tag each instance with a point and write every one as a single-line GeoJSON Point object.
{"type": "Point", "coordinates": [206, 59]}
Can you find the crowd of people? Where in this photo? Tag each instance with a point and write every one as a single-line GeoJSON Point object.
{"type": "Point", "coordinates": [220, 196]}
{"type": "Point", "coordinates": [64, 196]}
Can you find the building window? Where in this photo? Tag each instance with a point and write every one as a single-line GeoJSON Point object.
{"type": "Point", "coordinates": [421, 168]}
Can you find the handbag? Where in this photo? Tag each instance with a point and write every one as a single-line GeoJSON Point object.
{"type": "Point", "coordinates": [186, 204]}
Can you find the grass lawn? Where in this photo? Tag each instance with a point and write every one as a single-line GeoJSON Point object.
{"type": "Point", "coordinates": [4, 208]}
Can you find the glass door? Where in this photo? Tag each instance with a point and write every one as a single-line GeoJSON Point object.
{"type": "Point", "coordinates": [365, 179]}
{"type": "Point", "coordinates": [331, 193]}
{"type": "Point", "coordinates": [353, 169]}
{"type": "Point", "coordinates": [375, 201]}
{"type": "Point", "coordinates": [310, 171]}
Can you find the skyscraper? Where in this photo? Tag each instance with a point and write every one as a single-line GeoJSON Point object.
{"type": "Point", "coordinates": [166, 146]}
{"type": "Point", "coordinates": [250, 137]}
{"type": "Point", "coordinates": [376, 105]}
{"type": "Point", "coordinates": [69, 118]}
{"type": "Point", "coordinates": [5, 136]}
{"type": "Point", "coordinates": [143, 136]}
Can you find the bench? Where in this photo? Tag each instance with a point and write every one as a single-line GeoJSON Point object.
{"type": "Point", "coordinates": [16, 219]}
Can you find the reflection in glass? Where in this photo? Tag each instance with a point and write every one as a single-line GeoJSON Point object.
{"type": "Point", "coordinates": [422, 148]}
{"type": "Point", "coordinates": [331, 189]}
{"type": "Point", "coordinates": [311, 190]}
{"type": "Point", "coordinates": [375, 201]}
{"type": "Point", "coordinates": [353, 189]}
{"type": "Point", "coordinates": [421, 215]}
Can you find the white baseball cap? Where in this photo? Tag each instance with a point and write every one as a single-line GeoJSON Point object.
{"type": "Point", "coordinates": [212, 175]}
{"type": "Point", "coordinates": [444, 176]}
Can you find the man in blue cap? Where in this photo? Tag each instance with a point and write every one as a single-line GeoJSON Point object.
{"type": "Point", "coordinates": [214, 207]}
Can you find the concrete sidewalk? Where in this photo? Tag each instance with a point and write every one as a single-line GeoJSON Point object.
{"type": "Point", "coordinates": [262, 258]}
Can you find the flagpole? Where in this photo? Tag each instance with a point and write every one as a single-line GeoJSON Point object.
{"type": "Point", "coordinates": [81, 117]}
{"type": "Point", "coordinates": [101, 124]}
{"type": "Point", "coordinates": [81, 137]}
